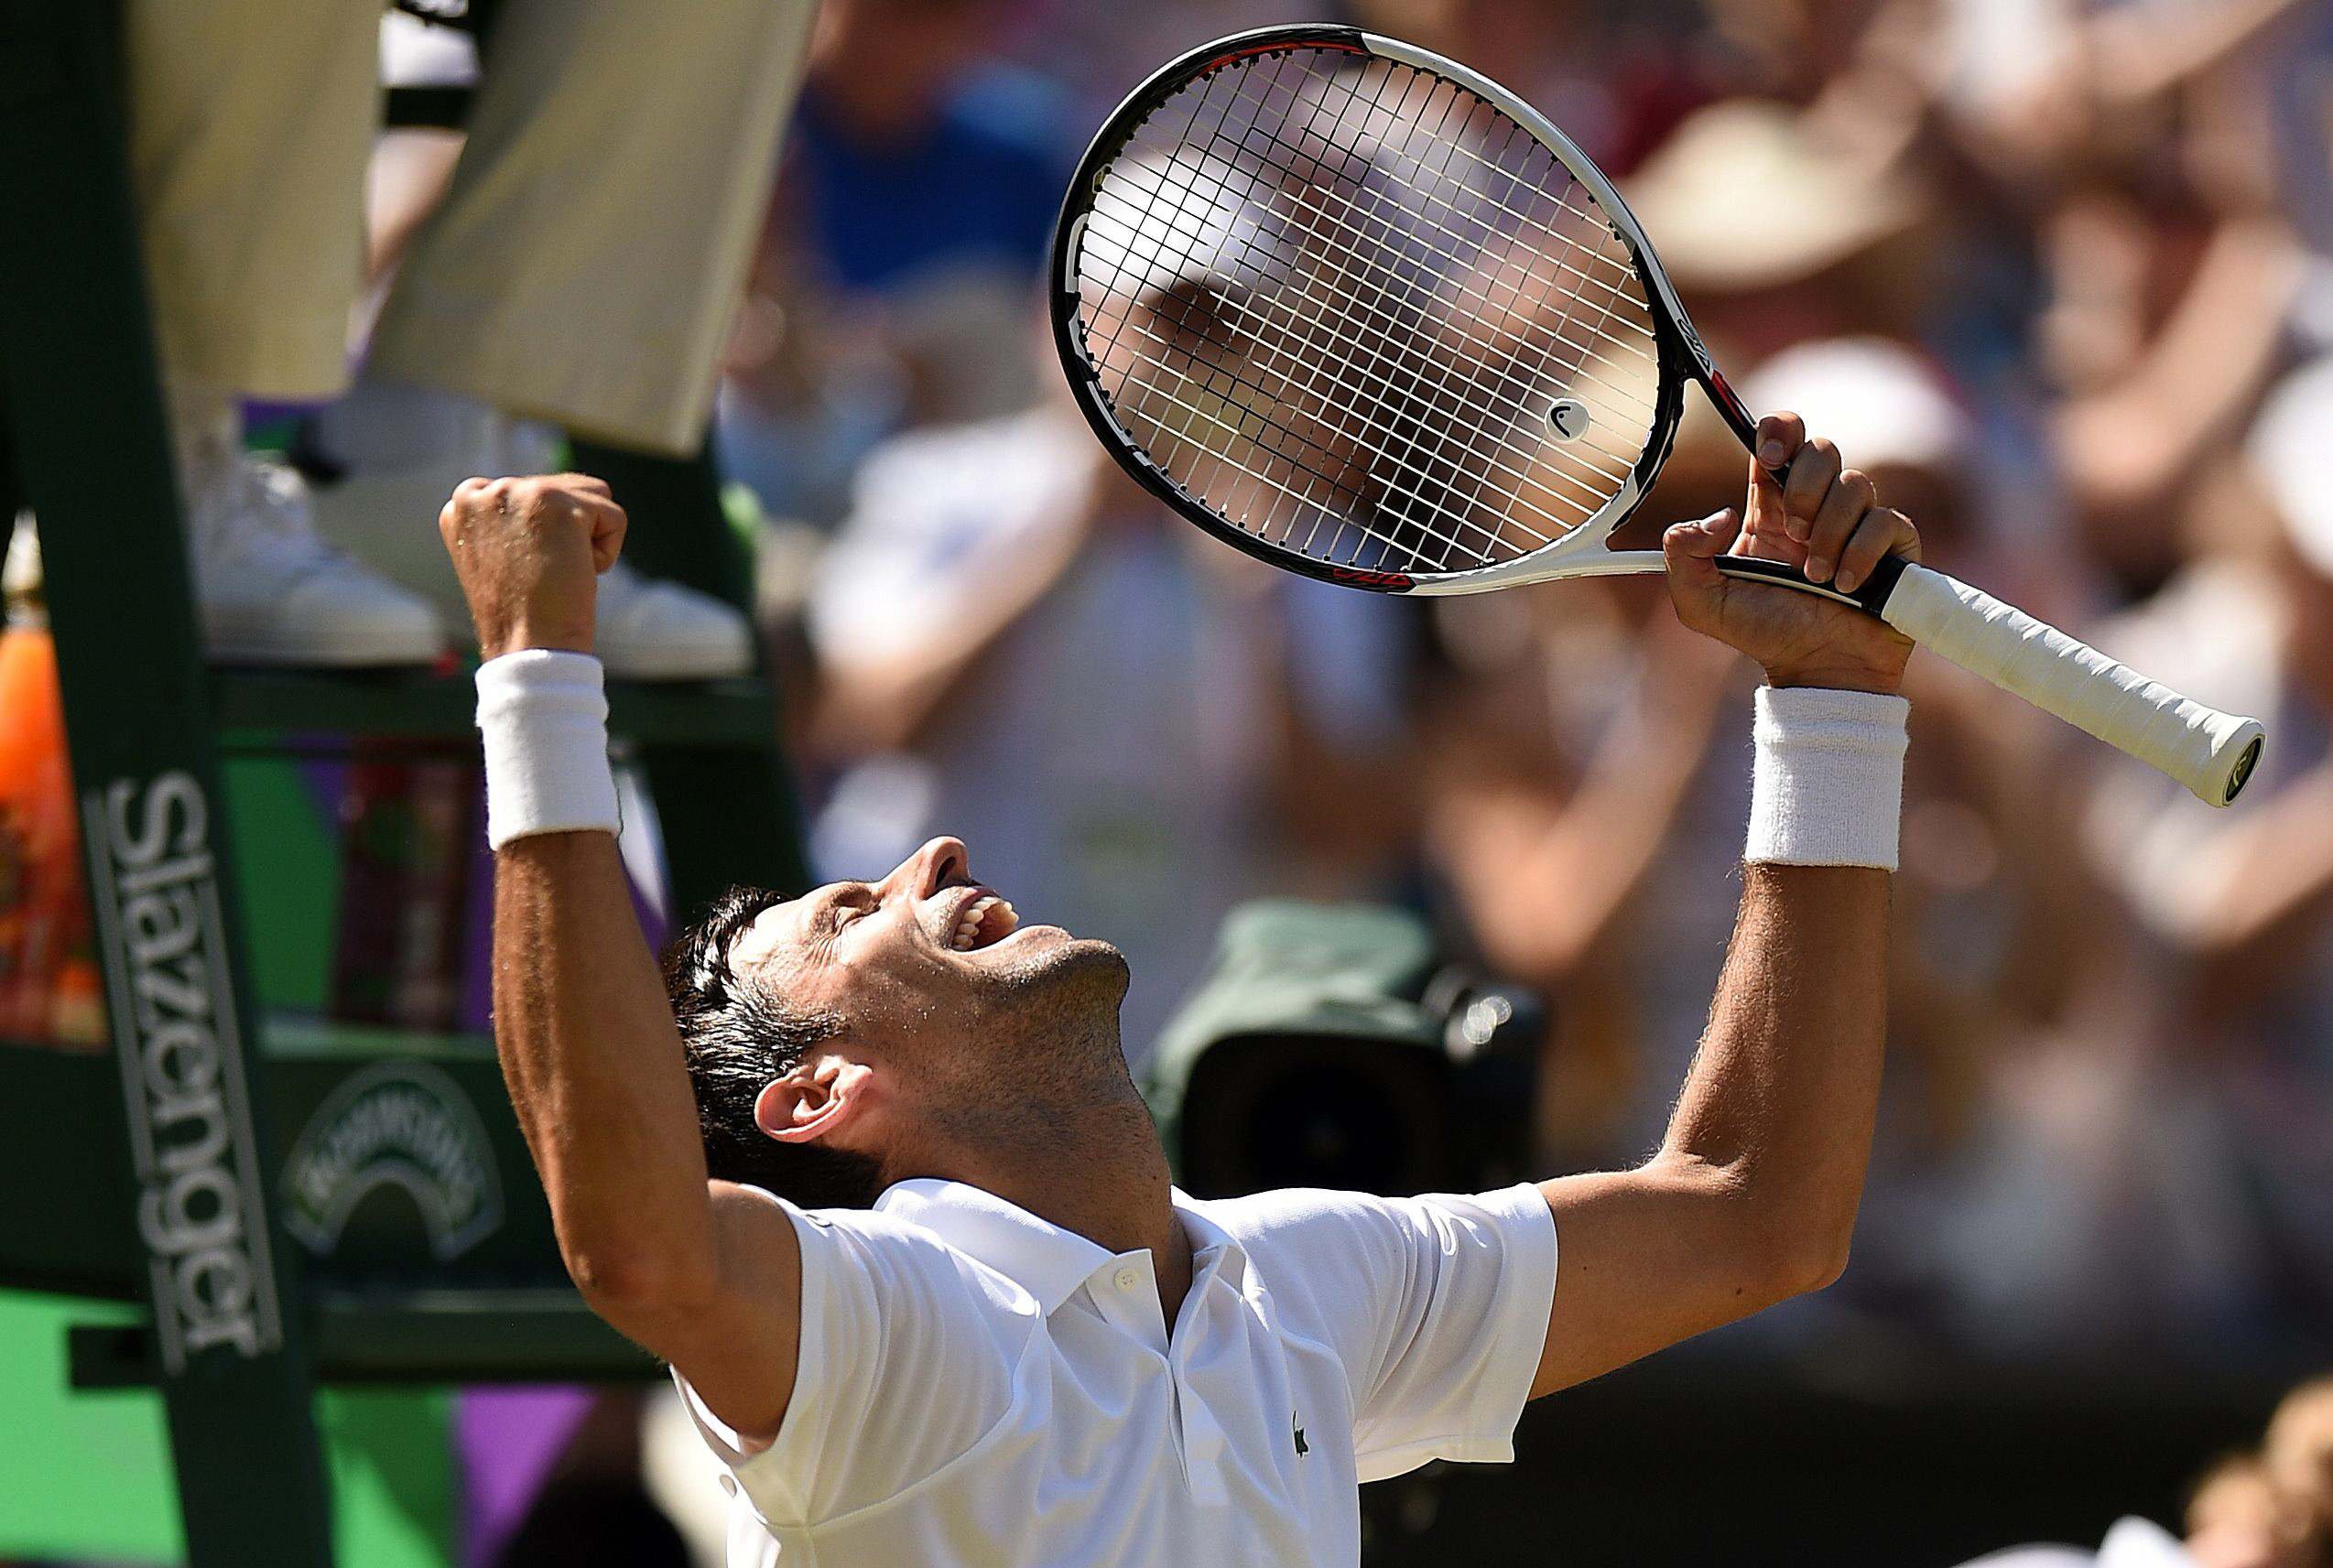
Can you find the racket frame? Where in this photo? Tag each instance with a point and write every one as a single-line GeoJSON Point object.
{"type": "Point", "coordinates": [1580, 551]}
{"type": "Point", "coordinates": [2211, 753]}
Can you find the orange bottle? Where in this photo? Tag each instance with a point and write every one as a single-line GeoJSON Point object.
{"type": "Point", "coordinates": [50, 991]}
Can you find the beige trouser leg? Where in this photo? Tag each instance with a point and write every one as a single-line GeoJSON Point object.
{"type": "Point", "coordinates": [250, 121]}
{"type": "Point", "coordinates": [585, 267]}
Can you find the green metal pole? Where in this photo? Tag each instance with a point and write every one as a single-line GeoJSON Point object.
{"type": "Point", "coordinates": [91, 451]}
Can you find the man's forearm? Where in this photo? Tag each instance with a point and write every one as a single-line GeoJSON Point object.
{"type": "Point", "coordinates": [594, 1065]}
{"type": "Point", "coordinates": [1752, 1196]}
{"type": "Point", "coordinates": [1783, 1094]}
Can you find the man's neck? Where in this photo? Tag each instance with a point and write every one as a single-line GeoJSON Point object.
{"type": "Point", "coordinates": [1098, 1171]}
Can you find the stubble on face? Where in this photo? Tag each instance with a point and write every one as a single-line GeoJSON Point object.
{"type": "Point", "coordinates": [1036, 1049]}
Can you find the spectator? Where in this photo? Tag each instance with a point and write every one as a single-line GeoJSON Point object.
{"type": "Point", "coordinates": [2296, 1462]}
{"type": "Point", "coordinates": [909, 225]}
{"type": "Point", "coordinates": [2270, 1508]}
{"type": "Point", "coordinates": [2231, 1519]}
{"type": "Point", "coordinates": [1598, 767]}
{"type": "Point", "coordinates": [1570, 735]}
{"type": "Point", "coordinates": [2237, 911]}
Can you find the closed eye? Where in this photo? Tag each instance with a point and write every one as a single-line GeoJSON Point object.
{"type": "Point", "coordinates": [852, 904]}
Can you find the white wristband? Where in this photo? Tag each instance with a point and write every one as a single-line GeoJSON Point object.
{"type": "Point", "coordinates": [543, 717]}
{"type": "Point", "coordinates": [1828, 788]}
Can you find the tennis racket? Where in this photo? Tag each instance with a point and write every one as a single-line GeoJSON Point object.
{"type": "Point", "coordinates": [1365, 314]}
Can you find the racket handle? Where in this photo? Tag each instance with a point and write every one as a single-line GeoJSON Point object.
{"type": "Point", "coordinates": [2209, 752]}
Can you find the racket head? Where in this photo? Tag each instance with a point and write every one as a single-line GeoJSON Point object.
{"type": "Point", "coordinates": [1360, 312]}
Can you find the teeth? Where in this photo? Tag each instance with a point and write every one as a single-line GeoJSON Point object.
{"type": "Point", "coordinates": [968, 929]}
{"type": "Point", "coordinates": [978, 914]}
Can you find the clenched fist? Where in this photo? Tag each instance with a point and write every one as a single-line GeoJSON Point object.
{"type": "Point", "coordinates": [528, 552]}
{"type": "Point", "coordinates": [1821, 518]}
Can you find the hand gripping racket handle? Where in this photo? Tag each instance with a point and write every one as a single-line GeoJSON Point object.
{"type": "Point", "coordinates": [2209, 752]}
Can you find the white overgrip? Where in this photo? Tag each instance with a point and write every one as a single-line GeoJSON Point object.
{"type": "Point", "coordinates": [2209, 752]}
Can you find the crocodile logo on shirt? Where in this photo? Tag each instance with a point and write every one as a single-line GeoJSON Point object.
{"type": "Point", "coordinates": [1302, 1449]}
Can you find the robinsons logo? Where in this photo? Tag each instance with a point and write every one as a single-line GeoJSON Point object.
{"type": "Point", "coordinates": [401, 1124]}
{"type": "Point", "coordinates": [157, 898]}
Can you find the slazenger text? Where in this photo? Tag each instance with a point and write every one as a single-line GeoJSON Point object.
{"type": "Point", "coordinates": [190, 1117]}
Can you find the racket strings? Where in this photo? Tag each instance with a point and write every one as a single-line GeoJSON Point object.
{"type": "Point", "coordinates": [1355, 411]}
{"type": "Point", "coordinates": [1453, 147]}
{"type": "Point", "coordinates": [1302, 450]}
{"type": "Point", "coordinates": [1298, 452]}
{"type": "Point", "coordinates": [1502, 326]}
{"type": "Point", "coordinates": [1408, 396]}
{"type": "Point", "coordinates": [1337, 369]}
{"type": "Point", "coordinates": [1323, 386]}
{"type": "Point", "coordinates": [1505, 382]}
{"type": "Point", "coordinates": [1354, 230]}
{"type": "Point", "coordinates": [1343, 550]}
{"type": "Point", "coordinates": [1385, 285]}
{"type": "Point", "coordinates": [1383, 380]}
{"type": "Point", "coordinates": [1197, 482]}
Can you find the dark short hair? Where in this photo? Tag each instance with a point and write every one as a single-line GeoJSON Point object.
{"type": "Point", "coordinates": [738, 1038]}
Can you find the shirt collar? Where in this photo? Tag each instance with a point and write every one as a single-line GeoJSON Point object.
{"type": "Point", "coordinates": [1039, 1256]}
{"type": "Point", "coordinates": [1211, 1245]}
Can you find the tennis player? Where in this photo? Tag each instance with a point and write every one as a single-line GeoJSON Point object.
{"type": "Point", "coordinates": [868, 1170]}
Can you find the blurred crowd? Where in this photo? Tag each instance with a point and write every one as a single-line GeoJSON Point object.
{"type": "Point", "coordinates": [2059, 277]}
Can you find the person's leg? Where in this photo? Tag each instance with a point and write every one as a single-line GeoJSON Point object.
{"type": "Point", "coordinates": [586, 264]}
{"type": "Point", "coordinates": [249, 124]}
{"type": "Point", "coordinates": [250, 121]}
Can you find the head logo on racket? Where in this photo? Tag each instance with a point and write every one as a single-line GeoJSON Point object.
{"type": "Point", "coordinates": [1569, 418]}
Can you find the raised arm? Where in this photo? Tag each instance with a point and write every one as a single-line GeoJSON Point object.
{"type": "Point", "coordinates": [1753, 1195]}
{"type": "Point", "coordinates": [702, 1273]}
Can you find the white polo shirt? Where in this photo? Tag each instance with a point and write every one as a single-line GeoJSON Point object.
{"type": "Point", "coordinates": [977, 1385]}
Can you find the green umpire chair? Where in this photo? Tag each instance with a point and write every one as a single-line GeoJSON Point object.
{"type": "Point", "coordinates": [231, 1180]}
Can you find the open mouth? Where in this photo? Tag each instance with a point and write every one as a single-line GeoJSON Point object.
{"type": "Point", "coordinates": [985, 921]}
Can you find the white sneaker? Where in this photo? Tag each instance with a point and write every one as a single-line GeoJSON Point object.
{"type": "Point", "coordinates": [383, 459]}
{"type": "Point", "coordinates": [404, 449]}
{"type": "Point", "coordinates": [268, 590]}
{"type": "Point", "coordinates": [653, 630]}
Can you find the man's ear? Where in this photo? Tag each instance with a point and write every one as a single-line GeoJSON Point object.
{"type": "Point", "coordinates": [812, 1102]}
